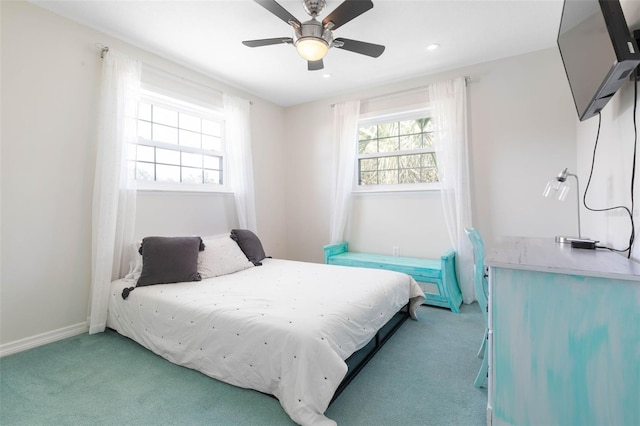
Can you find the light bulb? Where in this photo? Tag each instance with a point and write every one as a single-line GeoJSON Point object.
{"type": "Point", "coordinates": [312, 48]}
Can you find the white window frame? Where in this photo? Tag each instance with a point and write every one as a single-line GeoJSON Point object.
{"type": "Point", "coordinates": [374, 118]}
{"type": "Point", "coordinates": [155, 97]}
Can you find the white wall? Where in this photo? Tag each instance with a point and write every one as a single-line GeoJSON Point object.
{"type": "Point", "coordinates": [50, 79]}
{"type": "Point", "coordinates": [522, 133]}
{"type": "Point", "coordinates": [48, 108]}
{"type": "Point", "coordinates": [611, 182]}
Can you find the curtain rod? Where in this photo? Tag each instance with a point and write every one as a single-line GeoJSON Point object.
{"type": "Point", "coordinates": [104, 49]}
{"type": "Point", "coordinates": [467, 80]}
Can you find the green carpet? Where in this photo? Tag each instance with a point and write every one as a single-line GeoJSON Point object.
{"type": "Point", "coordinates": [423, 376]}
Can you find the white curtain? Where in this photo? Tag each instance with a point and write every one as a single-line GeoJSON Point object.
{"type": "Point", "coordinates": [448, 101]}
{"type": "Point", "coordinates": [114, 194]}
{"type": "Point", "coordinates": [238, 148]}
{"type": "Point", "coordinates": [345, 127]}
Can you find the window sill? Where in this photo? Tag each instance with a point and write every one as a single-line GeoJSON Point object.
{"type": "Point", "coordinates": [371, 189]}
{"type": "Point", "coordinates": [181, 187]}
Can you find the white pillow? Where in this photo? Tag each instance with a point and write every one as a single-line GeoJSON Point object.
{"type": "Point", "coordinates": [135, 261]}
{"type": "Point", "coordinates": [221, 256]}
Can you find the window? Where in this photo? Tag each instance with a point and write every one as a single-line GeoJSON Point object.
{"type": "Point", "coordinates": [179, 145]}
{"type": "Point", "coordinates": [397, 154]}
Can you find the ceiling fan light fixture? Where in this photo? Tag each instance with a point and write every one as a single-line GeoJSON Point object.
{"type": "Point", "coordinates": [312, 48]}
{"type": "Point", "coordinates": [313, 38]}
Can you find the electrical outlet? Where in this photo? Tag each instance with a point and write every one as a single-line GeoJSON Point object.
{"type": "Point", "coordinates": [395, 250]}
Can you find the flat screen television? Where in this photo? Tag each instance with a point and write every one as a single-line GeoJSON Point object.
{"type": "Point", "coordinates": [597, 50]}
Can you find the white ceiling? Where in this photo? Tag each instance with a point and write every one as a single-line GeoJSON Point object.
{"type": "Point", "coordinates": [206, 36]}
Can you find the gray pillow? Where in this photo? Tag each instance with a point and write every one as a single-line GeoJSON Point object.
{"type": "Point", "coordinates": [169, 260]}
{"type": "Point", "coordinates": [249, 244]}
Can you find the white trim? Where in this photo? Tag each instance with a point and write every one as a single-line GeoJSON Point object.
{"type": "Point", "coordinates": [401, 113]}
{"type": "Point", "coordinates": [43, 339]}
{"type": "Point", "coordinates": [173, 100]}
{"type": "Point", "coordinates": [396, 153]}
{"type": "Point", "coordinates": [400, 187]}
{"type": "Point", "coordinates": [143, 185]}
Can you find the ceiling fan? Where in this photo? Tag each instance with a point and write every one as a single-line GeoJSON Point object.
{"type": "Point", "coordinates": [312, 38]}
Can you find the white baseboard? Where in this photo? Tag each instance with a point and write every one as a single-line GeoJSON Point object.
{"type": "Point", "coordinates": [43, 339]}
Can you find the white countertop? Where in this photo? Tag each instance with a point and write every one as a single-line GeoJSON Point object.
{"type": "Point", "coordinates": [545, 255]}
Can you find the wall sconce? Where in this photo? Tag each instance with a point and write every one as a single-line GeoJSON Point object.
{"type": "Point", "coordinates": [558, 187]}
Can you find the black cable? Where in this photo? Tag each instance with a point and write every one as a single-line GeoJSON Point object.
{"type": "Point", "coordinates": [593, 158]}
{"type": "Point", "coordinates": [633, 167]}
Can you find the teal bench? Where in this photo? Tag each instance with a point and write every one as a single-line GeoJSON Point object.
{"type": "Point", "coordinates": [431, 274]}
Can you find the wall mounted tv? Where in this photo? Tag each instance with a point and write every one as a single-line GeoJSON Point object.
{"type": "Point", "coordinates": [597, 50]}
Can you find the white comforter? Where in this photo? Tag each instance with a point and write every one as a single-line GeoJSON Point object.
{"type": "Point", "coordinates": [284, 328]}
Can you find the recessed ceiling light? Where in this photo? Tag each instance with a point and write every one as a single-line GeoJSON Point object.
{"type": "Point", "coordinates": [433, 46]}
{"type": "Point", "coordinates": [326, 75]}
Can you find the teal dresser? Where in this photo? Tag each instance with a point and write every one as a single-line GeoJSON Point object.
{"type": "Point", "coordinates": [436, 277]}
{"type": "Point", "coordinates": [564, 335]}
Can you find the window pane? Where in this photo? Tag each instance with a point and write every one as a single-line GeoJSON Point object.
{"type": "Point", "coordinates": [388, 163]}
{"type": "Point", "coordinates": [167, 156]}
{"type": "Point", "coordinates": [410, 127]}
{"type": "Point", "coordinates": [212, 162]}
{"type": "Point", "coordinates": [144, 171]}
{"type": "Point", "coordinates": [165, 134]}
{"type": "Point", "coordinates": [411, 142]}
{"type": "Point", "coordinates": [368, 132]}
{"type": "Point", "coordinates": [394, 138]}
{"type": "Point", "coordinates": [429, 175]}
{"type": "Point", "coordinates": [369, 178]}
{"type": "Point", "coordinates": [191, 160]}
{"type": "Point", "coordinates": [387, 129]}
{"type": "Point", "coordinates": [144, 129]}
{"type": "Point", "coordinates": [188, 138]}
{"type": "Point", "coordinates": [388, 178]}
{"type": "Point", "coordinates": [131, 169]}
{"type": "Point", "coordinates": [211, 176]}
{"type": "Point", "coordinates": [368, 146]}
{"type": "Point", "coordinates": [369, 164]}
{"type": "Point", "coordinates": [190, 175]}
{"type": "Point", "coordinates": [428, 139]}
{"type": "Point", "coordinates": [409, 161]}
{"type": "Point", "coordinates": [212, 143]}
{"type": "Point", "coordinates": [388, 145]}
{"type": "Point", "coordinates": [429, 160]}
{"type": "Point", "coordinates": [144, 111]}
{"type": "Point", "coordinates": [167, 173]}
{"type": "Point", "coordinates": [211, 128]}
{"type": "Point", "coordinates": [145, 153]}
{"type": "Point", "coordinates": [172, 146]}
{"type": "Point", "coordinates": [189, 122]}
{"type": "Point", "coordinates": [410, 175]}
{"type": "Point", "coordinates": [165, 116]}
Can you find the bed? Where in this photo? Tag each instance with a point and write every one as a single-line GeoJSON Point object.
{"type": "Point", "coordinates": [284, 328]}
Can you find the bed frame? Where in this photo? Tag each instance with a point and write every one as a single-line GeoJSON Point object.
{"type": "Point", "coordinates": [361, 357]}
{"type": "Point", "coordinates": [357, 361]}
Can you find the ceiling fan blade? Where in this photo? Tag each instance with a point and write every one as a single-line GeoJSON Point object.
{"type": "Point", "coordinates": [267, 41]}
{"type": "Point", "coordinates": [315, 65]}
{"type": "Point", "coordinates": [282, 13]}
{"type": "Point", "coordinates": [344, 13]}
{"type": "Point", "coordinates": [369, 49]}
